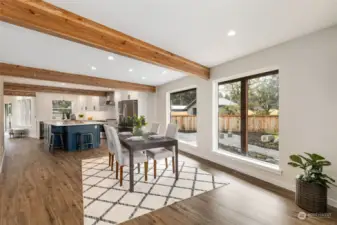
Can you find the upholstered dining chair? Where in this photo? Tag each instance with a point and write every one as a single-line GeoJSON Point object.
{"type": "Point", "coordinates": [110, 146]}
{"type": "Point", "coordinates": [155, 128]}
{"type": "Point", "coordinates": [163, 153]}
{"type": "Point", "coordinates": [122, 157]}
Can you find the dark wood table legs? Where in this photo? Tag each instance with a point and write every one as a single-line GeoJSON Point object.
{"type": "Point", "coordinates": [131, 169]}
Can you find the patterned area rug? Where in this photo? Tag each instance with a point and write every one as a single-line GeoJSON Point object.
{"type": "Point", "coordinates": [106, 202]}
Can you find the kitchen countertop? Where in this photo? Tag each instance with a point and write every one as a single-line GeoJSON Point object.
{"type": "Point", "coordinates": [72, 123]}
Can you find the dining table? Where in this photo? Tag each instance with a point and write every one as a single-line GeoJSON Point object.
{"type": "Point", "coordinates": [147, 143]}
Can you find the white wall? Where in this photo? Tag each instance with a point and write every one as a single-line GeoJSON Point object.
{"type": "Point", "coordinates": [2, 127]}
{"type": "Point", "coordinates": [308, 90]}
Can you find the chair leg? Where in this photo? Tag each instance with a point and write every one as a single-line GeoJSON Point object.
{"type": "Point", "coordinates": [138, 166]}
{"type": "Point", "coordinates": [166, 163]}
{"type": "Point", "coordinates": [173, 164]}
{"type": "Point", "coordinates": [112, 161]}
{"type": "Point", "coordinates": [117, 170]}
{"type": "Point", "coordinates": [121, 176]}
{"type": "Point", "coordinates": [109, 159]}
{"type": "Point", "coordinates": [146, 164]}
{"type": "Point", "coordinates": [155, 168]}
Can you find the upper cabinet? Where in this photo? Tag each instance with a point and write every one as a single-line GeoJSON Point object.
{"type": "Point", "coordinates": [91, 103]}
{"type": "Point", "coordinates": [81, 103]}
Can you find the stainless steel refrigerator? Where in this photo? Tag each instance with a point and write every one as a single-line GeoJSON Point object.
{"type": "Point", "coordinates": [127, 108]}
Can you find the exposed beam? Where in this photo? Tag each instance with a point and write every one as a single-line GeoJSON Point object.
{"type": "Point", "coordinates": [47, 18]}
{"type": "Point", "coordinates": [50, 89]}
{"type": "Point", "coordinates": [19, 93]}
{"type": "Point", "coordinates": [42, 74]}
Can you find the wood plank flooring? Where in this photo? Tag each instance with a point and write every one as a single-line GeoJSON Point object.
{"type": "Point", "coordinates": [38, 188]}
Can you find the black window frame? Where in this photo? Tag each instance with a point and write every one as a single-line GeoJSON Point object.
{"type": "Point", "coordinates": [244, 105]}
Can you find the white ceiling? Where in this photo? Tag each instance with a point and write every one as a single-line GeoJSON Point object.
{"type": "Point", "coordinates": [31, 48]}
{"type": "Point", "coordinates": [53, 84]}
{"type": "Point", "coordinates": [197, 29]}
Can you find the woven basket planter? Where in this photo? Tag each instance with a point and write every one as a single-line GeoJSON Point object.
{"type": "Point", "coordinates": [311, 197]}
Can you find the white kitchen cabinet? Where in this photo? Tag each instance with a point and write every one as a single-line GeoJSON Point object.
{"type": "Point", "coordinates": [95, 103]}
{"type": "Point", "coordinates": [82, 103]}
{"type": "Point", "coordinates": [91, 103]}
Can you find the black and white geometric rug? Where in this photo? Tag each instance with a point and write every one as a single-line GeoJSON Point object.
{"type": "Point", "coordinates": [105, 202]}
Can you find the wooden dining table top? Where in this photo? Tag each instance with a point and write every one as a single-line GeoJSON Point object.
{"type": "Point", "coordinates": [146, 143]}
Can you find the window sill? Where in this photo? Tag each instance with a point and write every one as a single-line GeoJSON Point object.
{"type": "Point", "coordinates": [256, 163]}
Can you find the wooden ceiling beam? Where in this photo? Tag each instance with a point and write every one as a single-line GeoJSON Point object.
{"type": "Point", "coordinates": [50, 75]}
{"type": "Point", "coordinates": [47, 18]}
{"type": "Point", "coordinates": [19, 93]}
{"type": "Point", "coordinates": [50, 89]}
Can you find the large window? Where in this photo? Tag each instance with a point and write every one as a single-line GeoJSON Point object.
{"type": "Point", "coordinates": [24, 106]}
{"type": "Point", "coordinates": [61, 109]}
{"type": "Point", "coordinates": [184, 114]}
{"type": "Point", "coordinates": [248, 116]}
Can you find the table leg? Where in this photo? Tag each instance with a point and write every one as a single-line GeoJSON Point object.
{"type": "Point", "coordinates": [176, 161]}
{"type": "Point", "coordinates": [131, 169]}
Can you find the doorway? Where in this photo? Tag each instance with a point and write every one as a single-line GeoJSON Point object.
{"type": "Point", "coordinates": [8, 116]}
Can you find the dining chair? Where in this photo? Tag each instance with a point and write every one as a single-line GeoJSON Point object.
{"type": "Point", "coordinates": [122, 157]}
{"type": "Point", "coordinates": [155, 128]}
{"type": "Point", "coordinates": [110, 146]}
{"type": "Point", "coordinates": [163, 153]}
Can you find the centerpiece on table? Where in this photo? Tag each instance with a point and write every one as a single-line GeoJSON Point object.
{"type": "Point", "coordinates": [138, 124]}
{"type": "Point", "coordinates": [312, 185]}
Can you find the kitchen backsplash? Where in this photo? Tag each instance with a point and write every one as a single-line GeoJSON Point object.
{"type": "Point", "coordinates": [98, 115]}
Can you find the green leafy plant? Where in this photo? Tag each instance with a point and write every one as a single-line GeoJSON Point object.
{"type": "Point", "coordinates": [139, 122]}
{"type": "Point", "coordinates": [312, 166]}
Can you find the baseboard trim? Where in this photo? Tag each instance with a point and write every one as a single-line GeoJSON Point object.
{"type": "Point", "coordinates": [332, 203]}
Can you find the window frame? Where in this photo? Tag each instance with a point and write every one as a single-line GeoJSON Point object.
{"type": "Point", "coordinates": [168, 109]}
{"type": "Point", "coordinates": [52, 109]}
{"type": "Point", "coordinates": [215, 121]}
{"type": "Point", "coordinates": [244, 104]}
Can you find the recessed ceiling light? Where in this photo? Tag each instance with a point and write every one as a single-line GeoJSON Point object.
{"type": "Point", "coordinates": [231, 33]}
{"type": "Point", "coordinates": [143, 78]}
{"type": "Point", "coordinates": [63, 84]}
{"type": "Point", "coordinates": [130, 70]}
{"type": "Point", "coordinates": [164, 72]}
{"type": "Point", "coordinates": [93, 68]}
{"type": "Point", "coordinates": [111, 57]}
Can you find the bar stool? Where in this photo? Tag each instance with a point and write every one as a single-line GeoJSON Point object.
{"type": "Point", "coordinates": [85, 139]}
{"type": "Point", "coordinates": [52, 140]}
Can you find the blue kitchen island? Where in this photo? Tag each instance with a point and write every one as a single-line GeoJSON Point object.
{"type": "Point", "coordinates": [73, 134]}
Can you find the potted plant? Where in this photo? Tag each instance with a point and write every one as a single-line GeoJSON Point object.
{"type": "Point", "coordinates": [312, 185]}
{"type": "Point", "coordinates": [138, 124]}
{"type": "Point", "coordinates": [81, 116]}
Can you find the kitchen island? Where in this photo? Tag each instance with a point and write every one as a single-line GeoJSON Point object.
{"type": "Point", "coordinates": [72, 134]}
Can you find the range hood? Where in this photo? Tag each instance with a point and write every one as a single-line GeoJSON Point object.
{"type": "Point", "coordinates": [110, 98]}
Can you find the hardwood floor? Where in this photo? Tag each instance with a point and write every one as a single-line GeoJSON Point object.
{"type": "Point", "coordinates": [38, 188]}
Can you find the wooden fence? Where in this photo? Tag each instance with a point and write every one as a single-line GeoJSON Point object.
{"type": "Point", "coordinates": [229, 122]}
{"type": "Point", "coordinates": [185, 122]}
